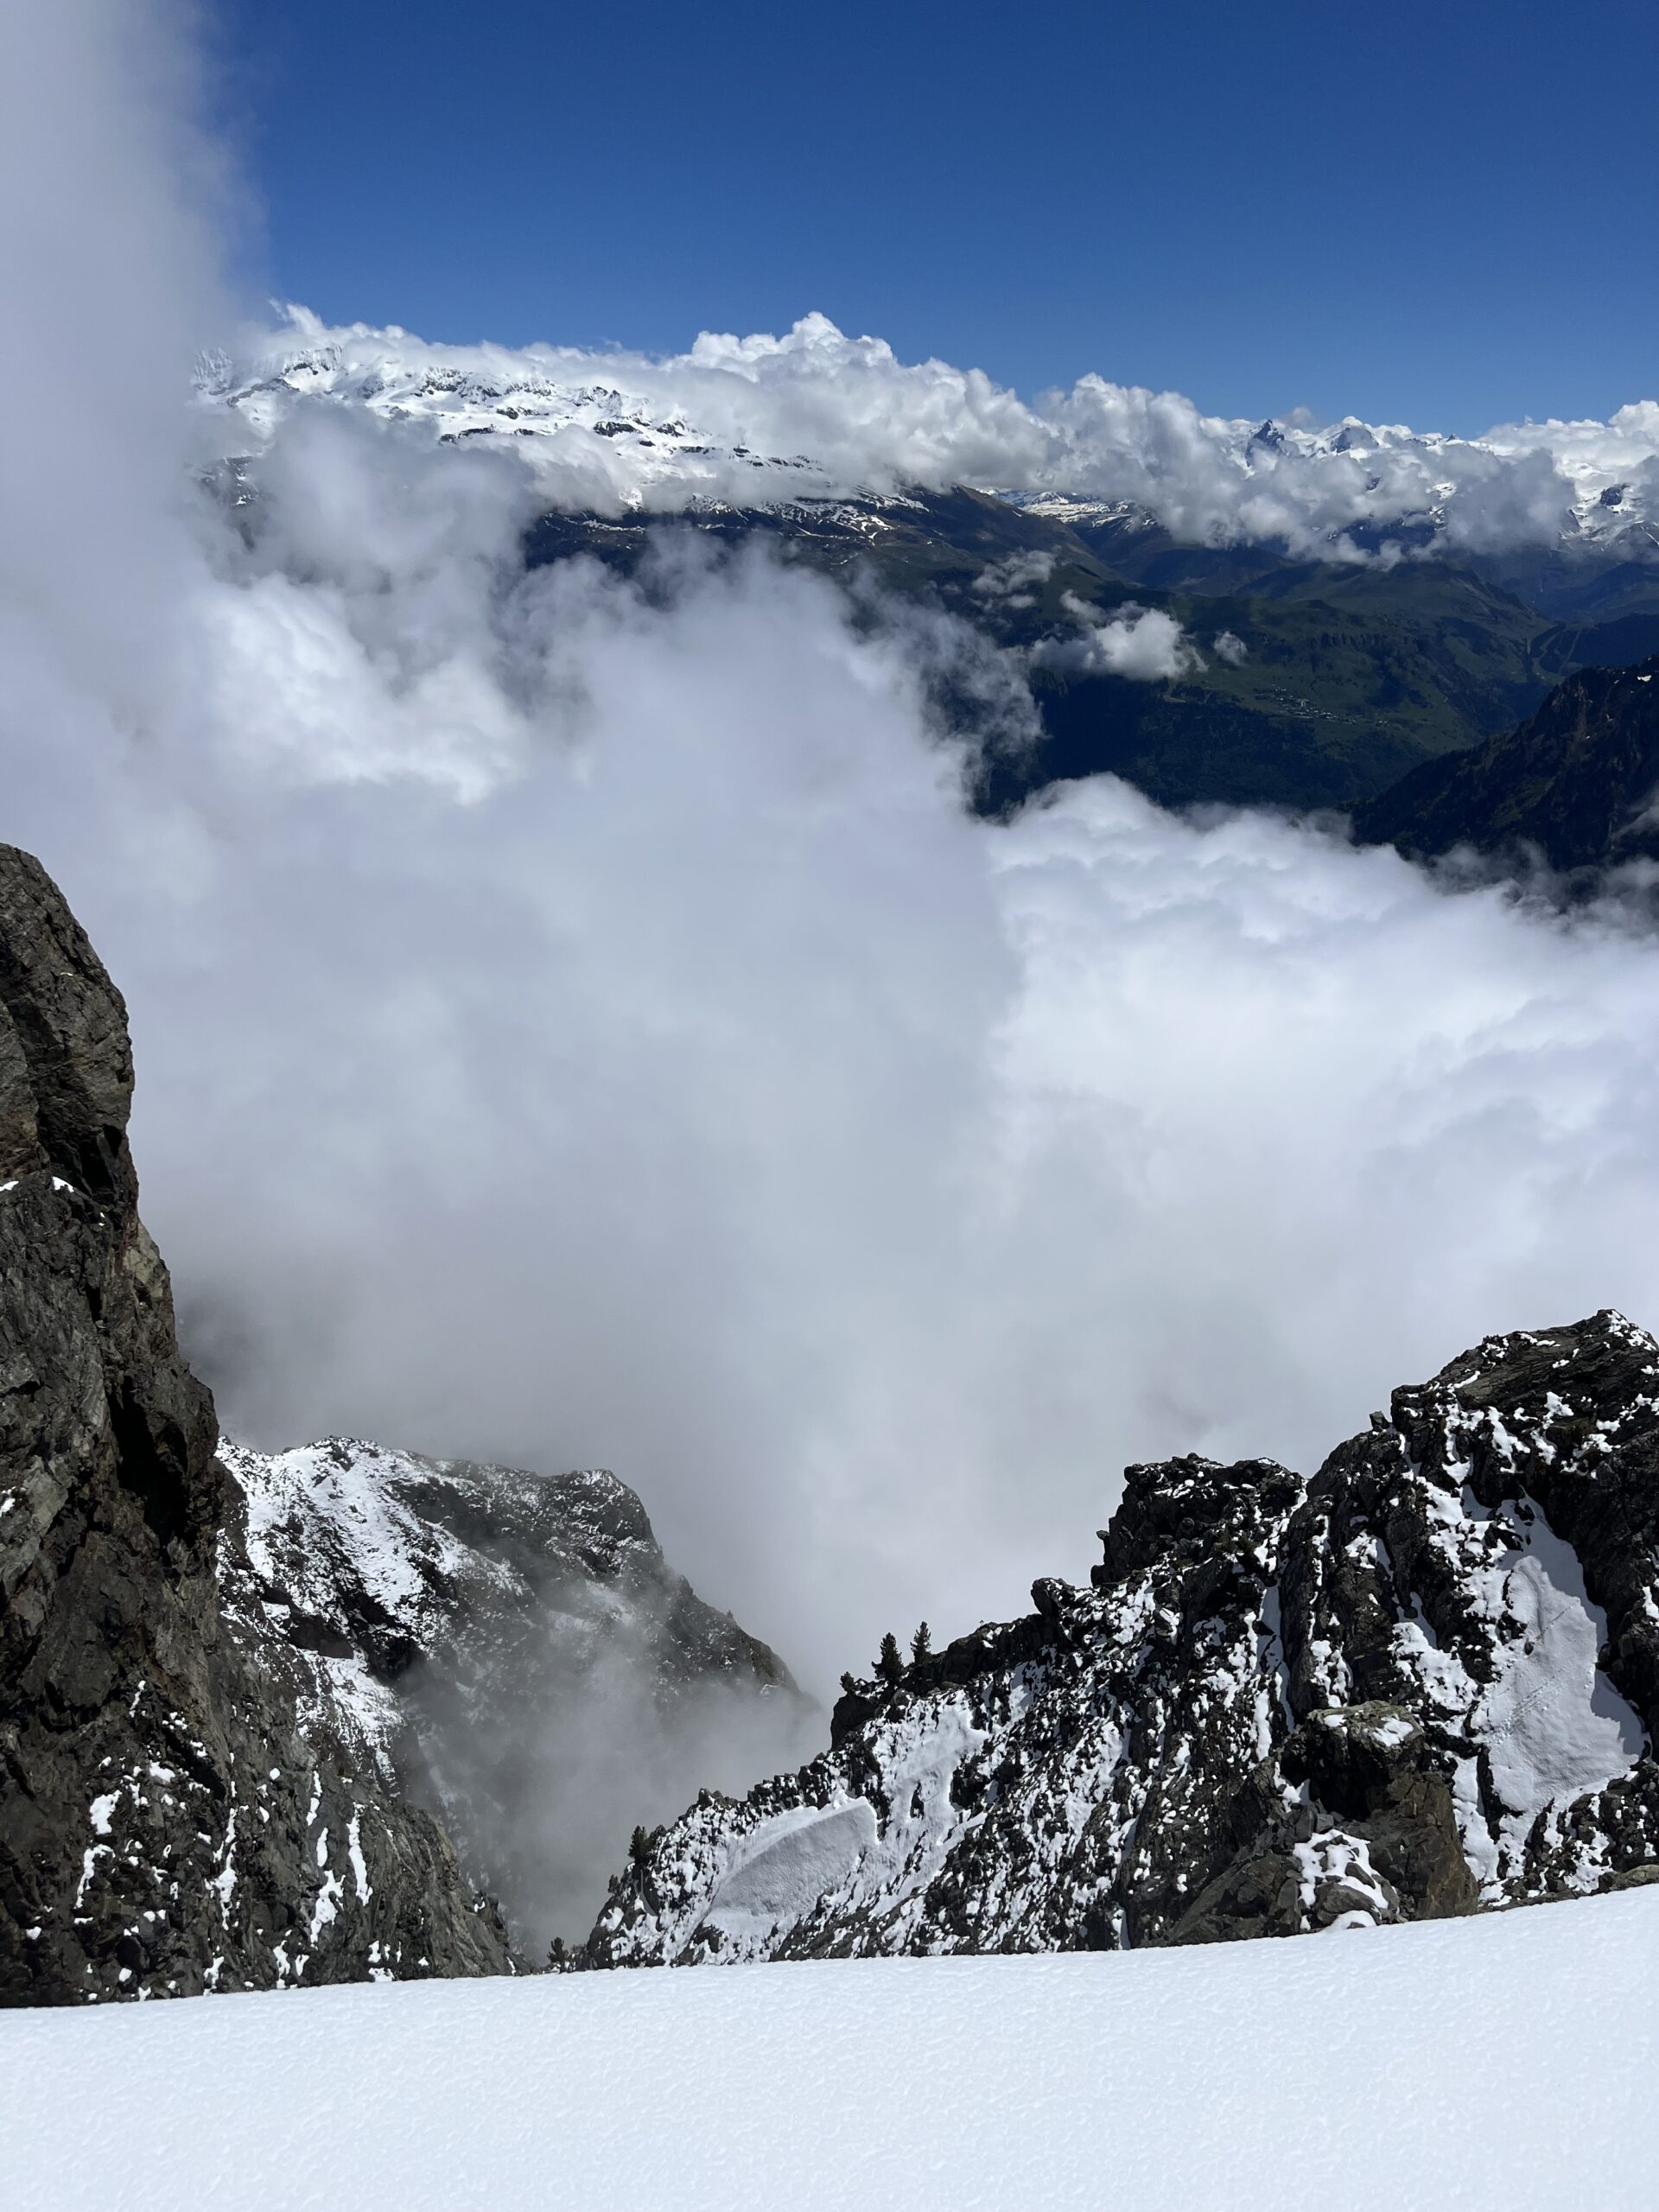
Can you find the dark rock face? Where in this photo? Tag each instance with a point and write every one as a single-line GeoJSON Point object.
{"type": "Point", "coordinates": [164, 1827]}
{"type": "Point", "coordinates": [1573, 781]}
{"type": "Point", "coordinates": [510, 1649]}
{"type": "Point", "coordinates": [1423, 1684]}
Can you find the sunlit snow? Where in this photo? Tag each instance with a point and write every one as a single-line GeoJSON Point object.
{"type": "Point", "coordinates": [1476, 2064]}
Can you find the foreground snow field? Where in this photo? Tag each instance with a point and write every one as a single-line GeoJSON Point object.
{"type": "Point", "coordinates": [1504, 2061]}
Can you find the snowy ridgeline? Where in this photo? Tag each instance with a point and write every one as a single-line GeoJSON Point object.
{"type": "Point", "coordinates": [815, 415]}
{"type": "Point", "coordinates": [1504, 2063]}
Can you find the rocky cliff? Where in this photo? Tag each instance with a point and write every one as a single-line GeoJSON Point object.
{"type": "Point", "coordinates": [510, 1649]}
{"type": "Point", "coordinates": [235, 1688]}
{"type": "Point", "coordinates": [164, 1825]}
{"type": "Point", "coordinates": [1422, 1683]}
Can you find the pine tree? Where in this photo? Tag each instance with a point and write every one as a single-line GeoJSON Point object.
{"type": "Point", "coordinates": [890, 1666]}
{"type": "Point", "coordinates": [849, 1685]}
{"type": "Point", "coordinates": [921, 1645]}
{"type": "Point", "coordinates": [639, 1846]}
{"type": "Point", "coordinates": [557, 1957]}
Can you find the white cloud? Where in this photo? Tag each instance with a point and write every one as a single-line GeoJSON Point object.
{"type": "Point", "coordinates": [760, 419]}
{"type": "Point", "coordinates": [586, 1027]}
{"type": "Point", "coordinates": [577, 1021]}
{"type": "Point", "coordinates": [1142, 642]}
{"type": "Point", "coordinates": [1010, 582]}
{"type": "Point", "coordinates": [1229, 648]}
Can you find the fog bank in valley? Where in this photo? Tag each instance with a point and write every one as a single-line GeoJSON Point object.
{"type": "Point", "coordinates": [578, 1022]}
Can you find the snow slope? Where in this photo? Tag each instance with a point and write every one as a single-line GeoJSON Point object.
{"type": "Point", "coordinates": [1489, 2063]}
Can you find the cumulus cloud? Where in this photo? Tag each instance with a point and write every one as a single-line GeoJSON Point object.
{"type": "Point", "coordinates": [815, 413]}
{"type": "Point", "coordinates": [578, 1021]}
{"type": "Point", "coordinates": [1010, 582]}
{"type": "Point", "coordinates": [1229, 648]}
{"type": "Point", "coordinates": [1142, 643]}
{"type": "Point", "coordinates": [710, 1097]}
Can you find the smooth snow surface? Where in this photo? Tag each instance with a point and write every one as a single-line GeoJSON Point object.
{"type": "Point", "coordinates": [792, 1861]}
{"type": "Point", "coordinates": [1496, 2062]}
{"type": "Point", "coordinates": [1555, 1726]}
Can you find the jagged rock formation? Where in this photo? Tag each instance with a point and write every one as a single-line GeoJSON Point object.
{"type": "Point", "coordinates": [511, 1649]}
{"type": "Point", "coordinates": [1422, 1683]}
{"type": "Point", "coordinates": [1576, 781]}
{"type": "Point", "coordinates": [164, 1827]}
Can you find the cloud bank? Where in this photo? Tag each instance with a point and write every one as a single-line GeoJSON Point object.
{"type": "Point", "coordinates": [759, 419]}
{"type": "Point", "coordinates": [578, 1022]}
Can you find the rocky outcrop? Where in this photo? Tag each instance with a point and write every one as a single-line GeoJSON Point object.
{"type": "Point", "coordinates": [1423, 1684]}
{"type": "Point", "coordinates": [511, 1649]}
{"type": "Point", "coordinates": [165, 1827]}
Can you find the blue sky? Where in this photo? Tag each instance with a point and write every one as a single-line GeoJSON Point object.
{"type": "Point", "coordinates": [1443, 214]}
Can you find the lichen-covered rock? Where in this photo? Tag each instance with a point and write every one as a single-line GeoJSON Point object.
{"type": "Point", "coordinates": [164, 1827]}
{"type": "Point", "coordinates": [1425, 1682]}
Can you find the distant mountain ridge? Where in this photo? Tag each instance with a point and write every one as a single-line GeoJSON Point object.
{"type": "Point", "coordinates": [1331, 682]}
{"type": "Point", "coordinates": [817, 415]}
{"type": "Point", "coordinates": [1574, 784]}
{"type": "Point", "coordinates": [1423, 1684]}
{"type": "Point", "coordinates": [1348, 601]}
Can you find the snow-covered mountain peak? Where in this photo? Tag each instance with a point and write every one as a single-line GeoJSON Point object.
{"type": "Point", "coordinates": [588, 439]}
{"type": "Point", "coordinates": [761, 420]}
